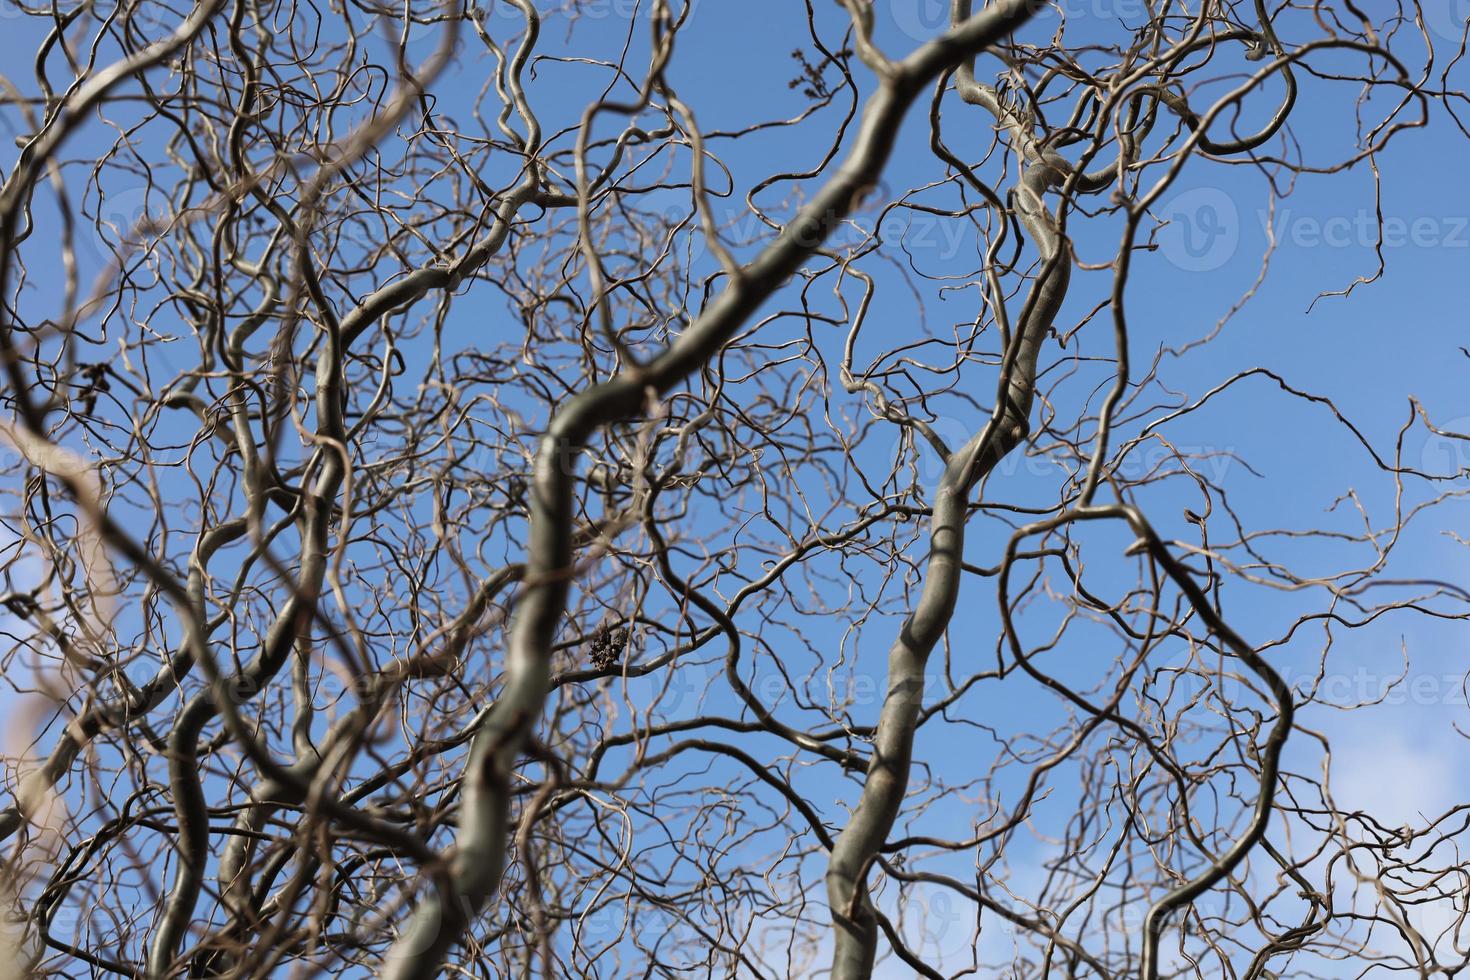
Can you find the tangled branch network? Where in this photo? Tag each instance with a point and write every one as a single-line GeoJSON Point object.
{"type": "Point", "coordinates": [645, 488]}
